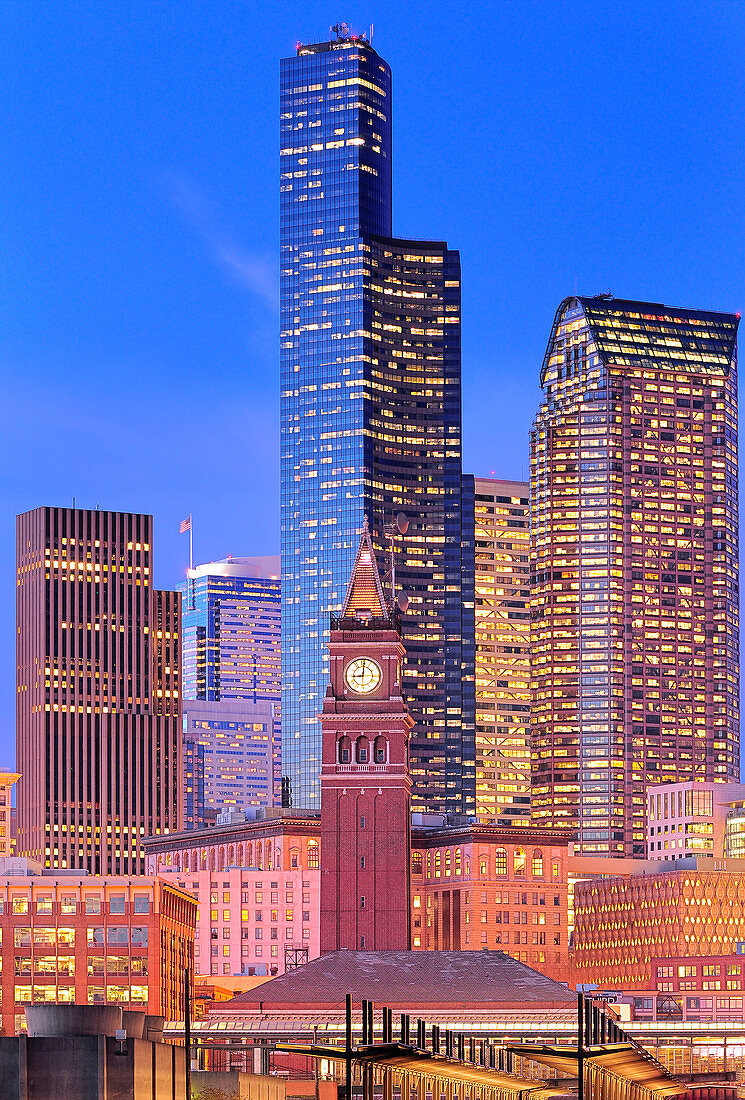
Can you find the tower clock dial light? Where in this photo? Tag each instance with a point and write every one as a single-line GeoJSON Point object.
{"type": "Point", "coordinates": [362, 675]}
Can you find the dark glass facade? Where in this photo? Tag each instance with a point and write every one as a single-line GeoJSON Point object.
{"type": "Point", "coordinates": [370, 365]}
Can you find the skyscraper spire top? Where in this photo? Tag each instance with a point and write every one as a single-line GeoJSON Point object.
{"type": "Point", "coordinates": [365, 598]}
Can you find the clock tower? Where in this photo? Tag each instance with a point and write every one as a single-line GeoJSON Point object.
{"type": "Point", "coordinates": [365, 782]}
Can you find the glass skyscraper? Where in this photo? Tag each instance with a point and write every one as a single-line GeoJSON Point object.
{"type": "Point", "coordinates": [634, 564]}
{"type": "Point", "coordinates": [370, 417]}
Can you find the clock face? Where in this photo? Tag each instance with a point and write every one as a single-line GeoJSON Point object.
{"type": "Point", "coordinates": [362, 675]}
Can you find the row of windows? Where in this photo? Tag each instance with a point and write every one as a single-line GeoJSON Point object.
{"type": "Point", "coordinates": [68, 903]}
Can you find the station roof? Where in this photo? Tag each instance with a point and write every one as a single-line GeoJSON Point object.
{"type": "Point", "coordinates": [626, 1060]}
{"type": "Point", "coordinates": [407, 1058]}
{"type": "Point", "coordinates": [410, 979]}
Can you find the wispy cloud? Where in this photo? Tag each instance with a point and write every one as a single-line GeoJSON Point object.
{"type": "Point", "coordinates": [251, 270]}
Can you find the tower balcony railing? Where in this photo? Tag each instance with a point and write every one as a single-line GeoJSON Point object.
{"type": "Point", "coordinates": [361, 767]}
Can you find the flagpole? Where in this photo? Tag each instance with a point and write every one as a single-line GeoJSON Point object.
{"type": "Point", "coordinates": [191, 544]}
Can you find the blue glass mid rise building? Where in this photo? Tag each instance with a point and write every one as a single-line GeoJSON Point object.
{"type": "Point", "coordinates": [230, 747]}
{"type": "Point", "coordinates": [231, 630]}
{"type": "Point", "coordinates": [230, 652]}
{"type": "Point", "coordinates": [370, 417]}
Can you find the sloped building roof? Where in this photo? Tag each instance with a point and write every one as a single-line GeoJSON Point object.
{"type": "Point", "coordinates": [365, 598]}
{"type": "Point", "coordinates": [649, 335]}
{"type": "Point", "coordinates": [409, 978]}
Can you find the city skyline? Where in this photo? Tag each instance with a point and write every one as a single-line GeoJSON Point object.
{"type": "Point", "coordinates": [91, 350]}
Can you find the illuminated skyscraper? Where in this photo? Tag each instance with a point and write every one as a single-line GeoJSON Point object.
{"type": "Point", "coordinates": [634, 561]}
{"type": "Point", "coordinates": [370, 415]}
{"type": "Point", "coordinates": [502, 599]}
{"type": "Point", "coordinates": [232, 658]}
{"type": "Point", "coordinates": [98, 708]}
{"type": "Point", "coordinates": [231, 630]}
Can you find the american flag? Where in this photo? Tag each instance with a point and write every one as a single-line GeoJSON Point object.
{"type": "Point", "coordinates": [185, 525]}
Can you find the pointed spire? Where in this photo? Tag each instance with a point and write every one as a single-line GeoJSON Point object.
{"type": "Point", "coordinates": [365, 598]}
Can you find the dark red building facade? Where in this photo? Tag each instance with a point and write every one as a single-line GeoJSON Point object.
{"type": "Point", "coordinates": [365, 782]}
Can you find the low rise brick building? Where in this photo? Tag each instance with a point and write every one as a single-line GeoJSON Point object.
{"type": "Point", "coordinates": [253, 922]}
{"type": "Point", "coordinates": [482, 886]}
{"type": "Point", "coordinates": [76, 939]}
{"type": "Point", "coordinates": [257, 883]}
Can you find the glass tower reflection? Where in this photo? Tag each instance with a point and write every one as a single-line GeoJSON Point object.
{"type": "Point", "coordinates": [370, 369]}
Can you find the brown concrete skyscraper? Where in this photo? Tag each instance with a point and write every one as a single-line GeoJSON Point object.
{"type": "Point", "coordinates": [634, 560]}
{"type": "Point", "coordinates": [98, 707]}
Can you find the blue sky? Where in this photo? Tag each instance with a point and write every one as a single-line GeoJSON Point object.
{"type": "Point", "coordinates": [558, 145]}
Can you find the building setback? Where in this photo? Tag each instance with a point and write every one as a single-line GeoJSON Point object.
{"type": "Point", "coordinates": [634, 558]}
{"type": "Point", "coordinates": [501, 538]}
{"type": "Point", "coordinates": [229, 745]}
{"type": "Point", "coordinates": [370, 418]}
{"type": "Point", "coordinates": [98, 708]}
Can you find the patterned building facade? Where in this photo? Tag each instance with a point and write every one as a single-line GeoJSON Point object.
{"type": "Point", "coordinates": [502, 636]}
{"type": "Point", "coordinates": [98, 702]}
{"type": "Point", "coordinates": [258, 888]}
{"type": "Point", "coordinates": [622, 924]}
{"type": "Point", "coordinates": [370, 415]}
{"type": "Point", "coordinates": [635, 629]}
{"type": "Point", "coordinates": [231, 630]}
{"type": "Point", "coordinates": [232, 652]}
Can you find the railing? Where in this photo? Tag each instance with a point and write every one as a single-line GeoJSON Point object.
{"type": "Point", "coordinates": [361, 767]}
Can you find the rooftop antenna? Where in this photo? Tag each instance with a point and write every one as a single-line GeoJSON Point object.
{"type": "Point", "coordinates": [397, 526]}
{"type": "Point", "coordinates": [371, 34]}
{"type": "Point", "coordinates": [341, 30]}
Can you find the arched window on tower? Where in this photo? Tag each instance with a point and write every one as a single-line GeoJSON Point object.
{"type": "Point", "coordinates": [537, 865]}
{"type": "Point", "coordinates": [500, 861]}
{"type": "Point", "coordinates": [518, 861]}
{"type": "Point", "coordinates": [381, 750]}
{"type": "Point", "coordinates": [344, 750]}
{"type": "Point", "coordinates": [363, 750]}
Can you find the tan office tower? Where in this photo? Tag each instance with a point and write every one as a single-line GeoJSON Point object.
{"type": "Point", "coordinates": [98, 708]}
{"type": "Point", "coordinates": [502, 603]}
{"type": "Point", "coordinates": [635, 564]}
